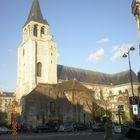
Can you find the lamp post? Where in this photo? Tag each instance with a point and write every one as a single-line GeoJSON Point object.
{"type": "Point", "coordinates": [127, 54]}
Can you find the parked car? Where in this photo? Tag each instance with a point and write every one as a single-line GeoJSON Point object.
{"type": "Point", "coordinates": [97, 126]}
{"type": "Point", "coordinates": [5, 130]}
{"type": "Point", "coordinates": [44, 128]}
{"type": "Point", "coordinates": [66, 127]}
{"type": "Point", "coordinates": [80, 126]}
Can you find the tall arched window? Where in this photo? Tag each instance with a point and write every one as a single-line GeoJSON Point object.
{"type": "Point", "coordinates": [42, 30]}
{"type": "Point", "coordinates": [39, 69]}
{"type": "Point", "coordinates": [23, 52]}
{"type": "Point", "coordinates": [35, 30]}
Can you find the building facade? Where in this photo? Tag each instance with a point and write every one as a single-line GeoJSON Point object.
{"type": "Point", "coordinates": [48, 91]}
{"type": "Point", "coordinates": [6, 99]}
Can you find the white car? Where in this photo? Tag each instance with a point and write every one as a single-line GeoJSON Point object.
{"type": "Point", "coordinates": [5, 130]}
{"type": "Point", "coordinates": [66, 127]}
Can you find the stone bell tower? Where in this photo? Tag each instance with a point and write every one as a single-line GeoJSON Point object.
{"type": "Point", "coordinates": [37, 54]}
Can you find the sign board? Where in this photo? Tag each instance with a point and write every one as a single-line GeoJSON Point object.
{"type": "Point", "coordinates": [135, 109]}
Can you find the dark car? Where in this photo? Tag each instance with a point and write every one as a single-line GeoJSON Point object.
{"type": "Point", "coordinates": [44, 128]}
{"type": "Point", "coordinates": [80, 126]}
{"type": "Point", "coordinates": [97, 126]}
{"type": "Point", "coordinates": [131, 134]}
{"type": "Point", "coordinates": [5, 130]}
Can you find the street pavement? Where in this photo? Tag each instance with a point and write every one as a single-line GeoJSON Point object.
{"type": "Point", "coordinates": [80, 135]}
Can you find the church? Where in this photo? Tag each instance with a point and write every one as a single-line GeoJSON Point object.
{"type": "Point", "coordinates": [50, 91]}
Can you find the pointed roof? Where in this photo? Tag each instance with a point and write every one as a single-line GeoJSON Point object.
{"type": "Point", "coordinates": [35, 14]}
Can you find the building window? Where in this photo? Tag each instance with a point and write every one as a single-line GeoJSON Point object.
{"type": "Point", "coordinates": [52, 48]}
{"type": "Point", "coordinates": [23, 52]}
{"type": "Point", "coordinates": [39, 68]}
{"type": "Point", "coordinates": [35, 30]}
{"type": "Point", "coordinates": [42, 30]}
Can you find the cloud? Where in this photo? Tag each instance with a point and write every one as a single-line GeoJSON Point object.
{"type": "Point", "coordinates": [103, 40]}
{"type": "Point", "coordinates": [96, 56]}
{"type": "Point", "coordinates": [119, 50]}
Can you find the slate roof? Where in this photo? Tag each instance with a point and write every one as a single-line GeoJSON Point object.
{"type": "Point", "coordinates": [35, 14]}
{"type": "Point", "coordinates": [88, 76]}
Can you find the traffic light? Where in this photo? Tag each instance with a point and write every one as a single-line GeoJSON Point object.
{"type": "Point", "coordinates": [134, 100]}
{"type": "Point", "coordinates": [130, 100]}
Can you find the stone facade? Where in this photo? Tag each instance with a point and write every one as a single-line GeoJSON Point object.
{"type": "Point", "coordinates": [69, 101]}
{"type": "Point", "coordinates": [37, 56]}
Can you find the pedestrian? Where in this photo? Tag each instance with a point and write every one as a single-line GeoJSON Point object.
{"type": "Point", "coordinates": [108, 130]}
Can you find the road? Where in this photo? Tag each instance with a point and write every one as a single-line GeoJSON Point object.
{"type": "Point", "coordinates": [83, 135]}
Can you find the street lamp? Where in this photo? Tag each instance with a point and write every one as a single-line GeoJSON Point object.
{"type": "Point", "coordinates": [127, 54]}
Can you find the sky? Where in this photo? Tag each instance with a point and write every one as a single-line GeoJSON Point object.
{"type": "Point", "coordinates": [90, 34]}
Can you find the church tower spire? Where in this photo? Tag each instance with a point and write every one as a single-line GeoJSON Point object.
{"type": "Point", "coordinates": [37, 54]}
{"type": "Point", "coordinates": [35, 14]}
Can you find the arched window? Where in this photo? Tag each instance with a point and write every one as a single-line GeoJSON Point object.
{"type": "Point", "coordinates": [42, 30]}
{"type": "Point", "coordinates": [35, 30]}
{"type": "Point", "coordinates": [39, 69]}
{"type": "Point", "coordinates": [23, 52]}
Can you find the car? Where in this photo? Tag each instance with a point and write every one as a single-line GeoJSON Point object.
{"type": "Point", "coordinates": [80, 126]}
{"type": "Point", "coordinates": [66, 127]}
{"type": "Point", "coordinates": [5, 130]}
{"type": "Point", "coordinates": [61, 128]}
{"type": "Point", "coordinates": [97, 126]}
{"type": "Point", "coordinates": [132, 133]}
{"type": "Point", "coordinates": [43, 128]}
